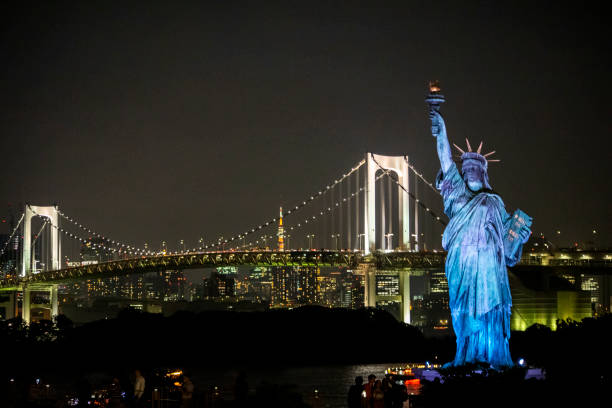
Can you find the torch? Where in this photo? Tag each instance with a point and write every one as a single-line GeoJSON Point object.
{"type": "Point", "coordinates": [434, 100]}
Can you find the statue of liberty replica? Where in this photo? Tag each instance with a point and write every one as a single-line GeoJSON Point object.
{"type": "Point", "coordinates": [481, 240]}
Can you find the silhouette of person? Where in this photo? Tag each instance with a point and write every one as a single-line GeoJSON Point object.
{"type": "Point", "coordinates": [187, 392]}
{"type": "Point", "coordinates": [241, 389]}
{"type": "Point", "coordinates": [378, 395]}
{"type": "Point", "coordinates": [139, 388]}
{"type": "Point", "coordinates": [114, 394]}
{"type": "Point", "coordinates": [368, 389]}
{"type": "Point", "coordinates": [354, 393]}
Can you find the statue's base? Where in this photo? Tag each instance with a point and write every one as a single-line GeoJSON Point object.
{"type": "Point", "coordinates": [432, 374]}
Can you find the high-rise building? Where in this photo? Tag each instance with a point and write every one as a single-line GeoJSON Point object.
{"type": "Point", "coordinates": [294, 286]}
{"type": "Point", "coordinates": [218, 286]}
{"type": "Point", "coordinates": [351, 290]}
{"type": "Point", "coordinates": [430, 307]}
{"type": "Point", "coordinates": [329, 289]}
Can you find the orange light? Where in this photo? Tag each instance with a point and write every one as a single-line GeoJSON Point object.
{"type": "Point", "coordinates": [416, 381]}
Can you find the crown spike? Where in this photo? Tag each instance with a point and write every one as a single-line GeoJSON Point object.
{"type": "Point", "coordinates": [468, 144]}
{"type": "Point", "coordinates": [490, 153]}
{"type": "Point", "coordinates": [458, 148]}
{"type": "Point", "coordinates": [479, 147]}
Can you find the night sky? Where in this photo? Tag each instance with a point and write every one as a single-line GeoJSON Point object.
{"type": "Point", "coordinates": [158, 122]}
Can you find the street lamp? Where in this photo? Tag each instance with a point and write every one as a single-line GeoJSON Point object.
{"type": "Point", "coordinates": [221, 244]}
{"type": "Point", "coordinates": [310, 237]}
{"type": "Point", "coordinates": [389, 237]}
{"type": "Point", "coordinates": [359, 240]}
{"type": "Point", "coordinates": [336, 236]}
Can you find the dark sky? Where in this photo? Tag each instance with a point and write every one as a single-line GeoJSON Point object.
{"type": "Point", "coordinates": [165, 121]}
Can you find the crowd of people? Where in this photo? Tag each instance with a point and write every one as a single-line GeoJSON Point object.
{"type": "Point", "coordinates": [387, 393]}
{"type": "Point", "coordinates": [133, 396]}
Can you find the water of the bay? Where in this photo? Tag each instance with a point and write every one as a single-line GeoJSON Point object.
{"type": "Point", "coordinates": [330, 382]}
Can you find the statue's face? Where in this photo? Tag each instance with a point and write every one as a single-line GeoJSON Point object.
{"type": "Point", "coordinates": [473, 177]}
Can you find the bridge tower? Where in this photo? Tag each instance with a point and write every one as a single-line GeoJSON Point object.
{"type": "Point", "coordinates": [51, 213]}
{"type": "Point", "coordinates": [26, 267]}
{"type": "Point", "coordinates": [398, 165]}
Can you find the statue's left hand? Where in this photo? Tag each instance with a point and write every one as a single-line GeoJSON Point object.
{"type": "Point", "coordinates": [437, 124]}
{"type": "Point", "coordinates": [524, 233]}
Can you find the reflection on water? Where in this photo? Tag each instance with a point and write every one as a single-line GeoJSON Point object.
{"type": "Point", "coordinates": [330, 382]}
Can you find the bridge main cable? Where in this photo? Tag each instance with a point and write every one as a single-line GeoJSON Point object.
{"type": "Point", "coordinates": [293, 210]}
{"type": "Point", "coordinates": [419, 202]}
{"type": "Point", "coordinates": [12, 234]}
{"type": "Point", "coordinates": [136, 251]}
{"type": "Point", "coordinates": [98, 235]}
{"type": "Point", "coordinates": [334, 206]}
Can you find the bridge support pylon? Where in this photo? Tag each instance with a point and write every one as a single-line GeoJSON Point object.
{"type": "Point", "coordinates": [398, 165]}
{"type": "Point", "coordinates": [51, 213]}
{"type": "Point", "coordinates": [52, 305]}
{"type": "Point", "coordinates": [388, 290]}
{"type": "Point", "coordinates": [9, 303]}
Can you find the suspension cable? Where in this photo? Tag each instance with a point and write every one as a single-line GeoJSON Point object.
{"type": "Point", "coordinates": [419, 202]}
{"type": "Point", "coordinates": [296, 208]}
{"type": "Point", "coordinates": [12, 234]}
{"type": "Point", "coordinates": [411, 167]}
{"type": "Point", "coordinates": [98, 235]}
{"type": "Point", "coordinates": [40, 231]}
{"type": "Point", "coordinates": [136, 251]}
{"type": "Point", "coordinates": [334, 206]}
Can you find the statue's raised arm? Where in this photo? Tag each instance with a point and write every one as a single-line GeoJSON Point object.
{"type": "Point", "coordinates": [438, 127]}
{"type": "Point", "coordinates": [438, 130]}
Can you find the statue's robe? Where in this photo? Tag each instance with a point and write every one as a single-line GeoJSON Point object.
{"type": "Point", "coordinates": [479, 292]}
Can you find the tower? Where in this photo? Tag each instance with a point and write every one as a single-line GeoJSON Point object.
{"type": "Point", "coordinates": [281, 232]}
{"type": "Point", "coordinates": [51, 213]}
{"type": "Point", "coordinates": [399, 165]}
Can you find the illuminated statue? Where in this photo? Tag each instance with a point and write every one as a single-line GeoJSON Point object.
{"type": "Point", "coordinates": [481, 240]}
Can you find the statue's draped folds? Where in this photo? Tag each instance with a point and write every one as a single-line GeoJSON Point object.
{"type": "Point", "coordinates": [479, 292]}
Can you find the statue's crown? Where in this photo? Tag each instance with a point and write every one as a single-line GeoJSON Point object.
{"type": "Point", "coordinates": [471, 157]}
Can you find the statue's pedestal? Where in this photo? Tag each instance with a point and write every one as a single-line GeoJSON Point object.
{"type": "Point", "coordinates": [432, 374]}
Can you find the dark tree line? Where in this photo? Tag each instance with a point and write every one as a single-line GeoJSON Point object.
{"type": "Point", "coordinates": [576, 357]}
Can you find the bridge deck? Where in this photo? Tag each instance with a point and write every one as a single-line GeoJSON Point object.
{"type": "Point", "coordinates": [317, 258]}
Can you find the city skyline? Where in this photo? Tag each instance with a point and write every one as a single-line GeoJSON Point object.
{"type": "Point", "coordinates": [165, 128]}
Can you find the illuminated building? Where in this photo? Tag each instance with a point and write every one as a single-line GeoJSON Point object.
{"type": "Point", "coordinates": [228, 270]}
{"type": "Point", "coordinates": [218, 286]}
{"type": "Point", "coordinates": [8, 262]}
{"type": "Point", "coordinates": [544, 298]}
{"type": "Point", "coordinates": [294, 286]}
{"type": "Point", "coordinates": [256, 285]}
{"type": "Point", "coordinates": [329, 292]}
{"type": "Point", "coordinates": [351, 290]}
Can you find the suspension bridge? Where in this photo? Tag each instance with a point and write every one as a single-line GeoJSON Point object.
{"type": "Point", "coordinates": [350, 222]}
{"type": "Point", "coordinates": [366, 220]}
